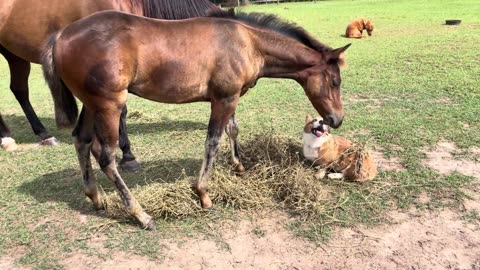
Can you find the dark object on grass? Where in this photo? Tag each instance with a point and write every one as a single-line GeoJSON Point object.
{"type": "Point", "coordinates": [453, 22]}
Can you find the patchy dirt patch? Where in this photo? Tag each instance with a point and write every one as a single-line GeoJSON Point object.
{"type": "Point", "coordinates": [425, 240]}
{"type": "Point", "coordinates": [370, 103]}
{"type": "Point", "coordinates": [434, 241]}
{"type": "Point", "coordinates": [9, 263]}
{"type": "Point", "coordinates": [472, 204]}
{"type": "Point", "coordinates": [9, 260]}
{"type": "Point", "coordinates": [443, 100]}
{"type": "Point", "coordinates": [443, 160]}
{"type": "Point", "coordinates": [118, 260]}
{"type": "Point", "coordinates": [386, 164]}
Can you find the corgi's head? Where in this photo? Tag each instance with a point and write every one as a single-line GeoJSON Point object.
{"type": "Point", "coordinates": [368, 25]}
{"type": "Point", "coordinates": [315, 126]}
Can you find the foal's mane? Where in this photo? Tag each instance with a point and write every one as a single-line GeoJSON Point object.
{"type": "Point", "coordinates": [274, 23]}
{"type": "Point", "coordinates": [174, 9]}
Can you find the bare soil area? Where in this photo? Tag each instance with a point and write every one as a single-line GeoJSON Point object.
{"type": "Point", "coordinates": [413, 240]}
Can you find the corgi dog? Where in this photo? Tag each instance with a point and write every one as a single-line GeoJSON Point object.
{"type": "Point", "coordinates": [356, 27]}
{"type": "Point", "coordinates": [331, 152]}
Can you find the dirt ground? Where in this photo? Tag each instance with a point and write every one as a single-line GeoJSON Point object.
{"type": "Point", "coordinates": [412, 239]}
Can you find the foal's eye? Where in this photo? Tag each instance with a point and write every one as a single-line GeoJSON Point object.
{"type": "Point", "coordinates": [335, 83]}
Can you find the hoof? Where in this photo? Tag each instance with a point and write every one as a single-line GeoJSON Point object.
{"type": "Point", "coordinates": [8, 144]}
{"type": "Point", "coordinates": [239, 169]}
{"type": "Point", "coordinates": [147, 221]}
{"type": "Point", "coordinates": [335, 176]}
{"type": "Point", "coordinates": [99, 206]}
{"type": "Point", "coordinates": [130, 166]}
{"type": "Point", "coordinates": [52, 141]}
{"type": "Point", "coordinates": [151, 226]}
{"type": "Point", "coordinates": [206, 203]}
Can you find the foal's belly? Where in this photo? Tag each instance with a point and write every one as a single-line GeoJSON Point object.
{"type": "Point", "coordinates": [178, 94]}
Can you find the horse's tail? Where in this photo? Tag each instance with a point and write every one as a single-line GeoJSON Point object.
{"type": "Point", "coordinates": [66, 110]}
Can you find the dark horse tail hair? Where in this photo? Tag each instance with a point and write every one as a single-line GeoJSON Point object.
{"type": "Point", "coordinates": [66, 110]}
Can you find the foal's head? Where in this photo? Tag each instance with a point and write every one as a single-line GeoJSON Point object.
{"type": "Point", "coordinates": [322, 86]}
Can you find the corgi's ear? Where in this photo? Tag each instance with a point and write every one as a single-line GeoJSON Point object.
{"type": "Point", "coordinates": [364, 22]}
{"type": "Point", "coordinates": [308, 119]}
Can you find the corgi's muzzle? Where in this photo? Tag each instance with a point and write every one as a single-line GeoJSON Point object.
{"type": "Point", "coordinates": [319, 128]}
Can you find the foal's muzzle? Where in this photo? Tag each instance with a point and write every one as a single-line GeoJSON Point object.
{"type": "Point", "coordinates": [334, 120]}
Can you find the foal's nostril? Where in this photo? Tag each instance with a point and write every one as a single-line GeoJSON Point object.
{"type": "Point", "coordinates": [334, 121]}
{"type": "Point", "coordinates": [331, 120]}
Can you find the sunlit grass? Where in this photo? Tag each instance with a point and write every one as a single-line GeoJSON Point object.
{"type": "Point", "coordinates": [412, 84]}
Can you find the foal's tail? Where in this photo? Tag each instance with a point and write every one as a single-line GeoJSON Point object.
{"type": "Point", "coordinates": [66, 110]}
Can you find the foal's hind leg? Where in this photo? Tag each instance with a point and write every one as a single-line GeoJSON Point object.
{"type": "Point", "coordinates": [222, 111]}
{"type": "Point", "coordinates": [19, 72]}
{"type": "Point", "coordinates": [128, 162]}
{"type": "Point", "coordinates": [106, 130]}
{"type": "Point", "coordinates": [83, 134]}
{"type": "Point", "coordinates": [232, 131]}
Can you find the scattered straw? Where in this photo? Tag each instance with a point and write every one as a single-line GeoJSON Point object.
{"type": "Point", "coordinates": [276, 177]}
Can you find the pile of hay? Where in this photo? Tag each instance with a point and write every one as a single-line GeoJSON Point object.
{"type": "Point", "coordinates": [276, 177]}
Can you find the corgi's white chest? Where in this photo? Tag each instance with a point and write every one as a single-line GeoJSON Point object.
{"type": "Point", "coordinates": [311, 144]}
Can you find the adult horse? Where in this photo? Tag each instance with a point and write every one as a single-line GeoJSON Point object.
{"type": "Point", "coordinates": [25, 26]}
{"type": "Point", "coordinates": [215, 59]}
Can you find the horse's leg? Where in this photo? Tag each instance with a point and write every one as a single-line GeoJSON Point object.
{"type": "Point", "coordinates": [107, 121]}
{"type": "Point", "coordinates": [7, 142]}
{"type": "Point", "coordinates": [222, 111]}
{"type": "Point", "coordinates": [19, 72]}
{"type": "Point", "coordinates": [128, 162]}
{"type": "Point", "coordinates": [83, 137]}
{"type": "Point", "coordinates": [232, 131]}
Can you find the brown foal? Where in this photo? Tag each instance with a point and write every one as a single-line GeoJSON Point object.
{"type": "Point", "coordinates": [215, 59]}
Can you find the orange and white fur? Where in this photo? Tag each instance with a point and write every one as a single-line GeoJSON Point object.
{"type": "Point", "coordinates": [356, 27]}
{"type": "Point", "coordinates": [327, 150]}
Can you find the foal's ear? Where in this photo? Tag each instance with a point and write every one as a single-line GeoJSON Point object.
{"type": "Point", "coordinates": [338, 56]}
{"type": "Point", "coordinates": [308, 119]}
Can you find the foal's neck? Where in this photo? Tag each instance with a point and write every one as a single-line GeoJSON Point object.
{"type": "Point", "coordinates": [284, 57]}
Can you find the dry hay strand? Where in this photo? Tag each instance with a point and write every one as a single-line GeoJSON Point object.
{"type": "Point", "coordinates": [276, 176]}
{"type": "Point", "coordinates": [356, 153]}
{"type": "Point", "coordinates": [166, 200]}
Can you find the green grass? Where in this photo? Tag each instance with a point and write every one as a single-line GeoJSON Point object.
{"type": "Point", "coordinates": [412, 84]}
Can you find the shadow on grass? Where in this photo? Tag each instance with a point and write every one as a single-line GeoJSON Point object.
{"type": "Point", "coordinates": [22, 132]}
{"type": "Point", "coordinates": [65, 186]}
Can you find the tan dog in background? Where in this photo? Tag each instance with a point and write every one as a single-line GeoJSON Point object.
{"type": "Point", "coordinates": [332, 152]}
{"type": "Point", "coordinates": [356, 27]}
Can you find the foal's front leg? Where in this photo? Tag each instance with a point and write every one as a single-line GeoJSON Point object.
{"type": "Point", "coordinates": [232, 131]}
{"type": "Point", "coordinates": [222, 111]}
